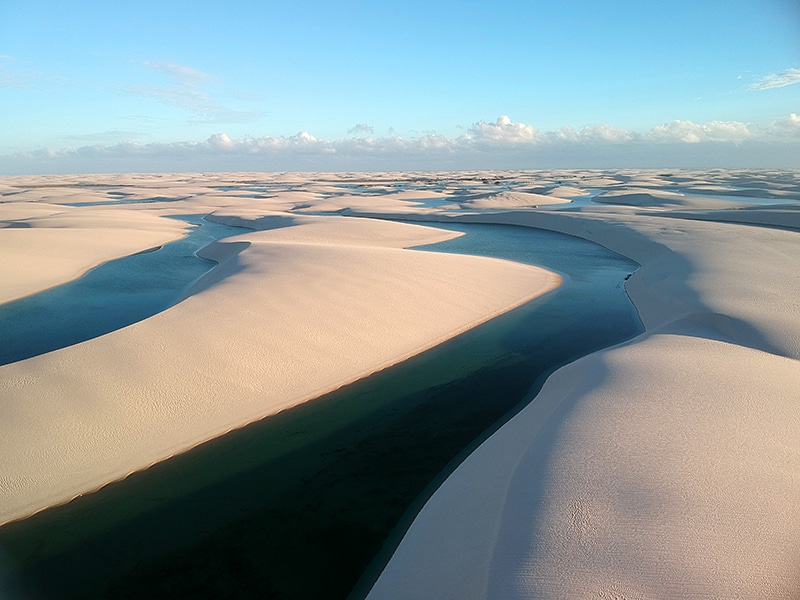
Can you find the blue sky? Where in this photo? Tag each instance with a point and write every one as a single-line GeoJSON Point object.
{"type": "Point", "coordinates": [312, 85]}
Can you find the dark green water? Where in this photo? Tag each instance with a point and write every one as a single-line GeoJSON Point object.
{"type": "Point", "coordinates": [299, 504]}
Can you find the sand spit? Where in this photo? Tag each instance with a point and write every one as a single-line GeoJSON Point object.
{"type": "Point", "coordinates": [668, 467]}
{"type": "Point", "coordinates": [508, 200]}
{"type": "Point", "coordinates": [565, 191]}
{"type": "Point", "coordinates": [290, 313]}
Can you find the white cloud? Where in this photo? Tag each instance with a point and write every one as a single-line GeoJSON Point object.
{"type": "Point", "coordinates": [777, 80]}
{"type": "Point", "coordinates": [221, 140]}
{"type": "Point", "coordinates": [693, 133]}
{"type": "Point", "coordinates": [787, 126]}
{"type": "Point", "coordinates": [302, 142]}
{"type": "Point", "coordinates": [502, 131]}
{"type": "Point", "coordinates": [433, 141]}
{"type": "Point", "coordinates": [593, 134]}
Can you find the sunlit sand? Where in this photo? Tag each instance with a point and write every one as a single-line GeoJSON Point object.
{"type": "Point", "coordinates": [668, 466]}
{"type": "Point", "coordinates": [52, 244]}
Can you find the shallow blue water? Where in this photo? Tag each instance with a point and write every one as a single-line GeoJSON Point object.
{"type": "Point", "coordinates": [111, 296]}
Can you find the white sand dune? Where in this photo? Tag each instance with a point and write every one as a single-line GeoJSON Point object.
{"type": "Point", "coordinates": [668, 467]}
{"type": "Point", "coordinates": [665, 467]}
{"type": "Point", "coordinates": [660, 199]}
{"type": "Point", "coordinates": [565, 191]}
{"type": "Point", "coordinates": [513, 200]}
{"type": "Point", "coordinates": [288, 314]}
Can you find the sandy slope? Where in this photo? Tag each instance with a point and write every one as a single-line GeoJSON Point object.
{"type": "Point", "coordinates": [668, 467]}
{"type": "Point", "coordinates": [43, 245]}
{"type": "Point", "coordinates": [289, 314]}
{"type": "Point", "coordinates": [655, 470]}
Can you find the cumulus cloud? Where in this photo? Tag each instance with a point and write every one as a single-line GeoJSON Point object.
{"type": "Point", "coordinates": [777, 80]}
{"type": "Point", "coordinates": [502, 131]}
{"type": "Point", "coordinates": [361, 128]}
{"type": "Point", "coordinates": [787, 126]}
{"type": "Point", "coordinates": [693, 133]}
{"type": "Point", "coordinates": [221, 140]}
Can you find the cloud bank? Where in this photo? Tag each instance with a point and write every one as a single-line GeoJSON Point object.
{"type": "Point", "coordinates": [501, 144]}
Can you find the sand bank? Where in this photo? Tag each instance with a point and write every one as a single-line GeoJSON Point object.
{"type": "Point", "coordinates": [43, 245]}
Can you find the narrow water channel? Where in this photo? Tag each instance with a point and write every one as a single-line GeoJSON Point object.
{"type": "Point", "coordinates": [111, 296]}
{"type": "Point", "coordinates": [299, 504]}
